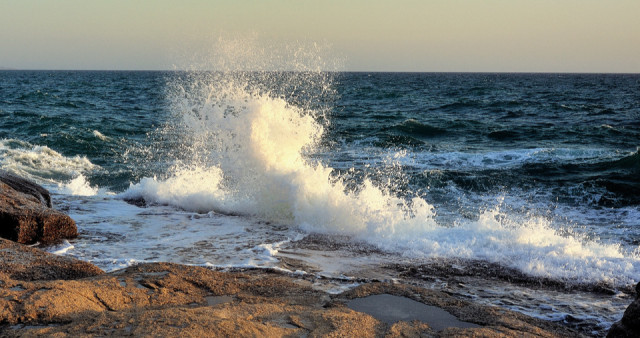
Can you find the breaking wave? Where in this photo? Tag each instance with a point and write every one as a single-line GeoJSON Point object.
{"type": "Point", "coordinates": [243, 148]}
{"type": "Point", "coordinates": [47, 166]}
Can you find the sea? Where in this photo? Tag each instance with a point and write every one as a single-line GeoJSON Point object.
{"type": "Point", "coordinates": [509, 189]}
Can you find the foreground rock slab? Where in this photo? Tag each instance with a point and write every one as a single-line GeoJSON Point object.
{"type": "Point", "coordinates": [20, 262]}
{"type": "Point", "coordinates": [26, 215]}
{"type": "Point", "coordinates": [163, 299]}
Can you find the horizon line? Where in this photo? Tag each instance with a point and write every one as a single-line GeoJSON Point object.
{"type": "Point", "coordinates": [326, 71]}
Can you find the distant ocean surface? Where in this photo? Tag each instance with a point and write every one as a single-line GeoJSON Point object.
{"type": "Point", "coordinates": [524, 189]}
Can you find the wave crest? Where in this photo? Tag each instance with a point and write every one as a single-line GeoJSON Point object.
{"type": "Point", "coordinates": [41, 163]}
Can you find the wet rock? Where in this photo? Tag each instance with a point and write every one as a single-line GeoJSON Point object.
{"type": "Point", "coordinates": [137, 201]}
{"type": "Point", "coordinates": [26, 215]}
{"type": "Point", "coordinates": [20, 262]}
{"type": "Point", "coordinates": [629, 325]}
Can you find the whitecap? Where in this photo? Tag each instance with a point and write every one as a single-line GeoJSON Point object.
{"type": "Point", "coordinates": [101, 136]}
{"type": "Point", "coordinates": [78, 186]}
{"type": "Point", "coordinates": [41, 163]}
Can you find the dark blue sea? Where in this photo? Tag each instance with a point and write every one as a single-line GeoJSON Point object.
{"type": "Point", "coordinates": [518, 190]}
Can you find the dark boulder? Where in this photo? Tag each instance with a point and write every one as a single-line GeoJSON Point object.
{"type": "Point", "coordinates": [26, 215]}
{"type": "Point", "coordinates": [629, 325]}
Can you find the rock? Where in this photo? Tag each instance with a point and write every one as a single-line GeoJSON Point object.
{"type": "Point", "coordinates": [137, 201]}
{"type": "Point", "coordinates": [25, 186]}
{"type": "Point", "coordinates": [629, 325]}
{"type": "Point", "coordinates": [20, 262]}
{"type": "Point", "coordinates": [163, 299]}
{"type": "Point", "coordinates": [26, 215]}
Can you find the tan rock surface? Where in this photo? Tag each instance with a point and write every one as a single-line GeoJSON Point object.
{"type": "Point", "coordinates": [20, 262]}
{"type": "Point", "coordinates": [164, 299]}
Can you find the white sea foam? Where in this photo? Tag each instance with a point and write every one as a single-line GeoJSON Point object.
{"type": "Point", "coordinates": [192, 189]}
{"type": "Point", "coordinates": [247, 156]}
{"type": "Point", "coordinates": [41, 162]}
{"type": "Point", "coordinates": [115, 234]}
{"type": "Point", "coordinates": [505, 158]}
{"type": "Point", "coordinates": [62, 248]}
{"type": "Point", "coordinates": [526, 243]}
{"type": "Point", "coordinates": [78, 186]}
{"type": "Point", "coordinates": [454, 159]}
{"type": "Point", "coordinates": [101, 136]}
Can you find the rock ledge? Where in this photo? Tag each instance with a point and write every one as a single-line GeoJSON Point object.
{"type": "Point", "coordinates": [162, 299]}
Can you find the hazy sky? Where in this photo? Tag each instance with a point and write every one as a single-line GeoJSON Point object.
{"type": "Point", "coordinates": [393, 35]}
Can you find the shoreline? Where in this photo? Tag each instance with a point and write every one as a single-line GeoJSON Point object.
{"type": "Point", "coordinates": [46, 294]}
{"type": "Point", "coordinates": [169, 299]}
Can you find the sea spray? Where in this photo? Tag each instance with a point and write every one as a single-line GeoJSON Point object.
{"type": "Point", "coordinates": [248, 154]}
{"type": "Point", "coordinates": [244, 141]}
{"type": "Point", "coordinates": [78, 186]}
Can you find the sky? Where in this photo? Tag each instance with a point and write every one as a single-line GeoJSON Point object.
{"type": "Point", "coordinates": [355, 35]}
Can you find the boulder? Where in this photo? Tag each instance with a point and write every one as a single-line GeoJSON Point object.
{"type": "Point", "coordinates": [629, 325]}
{"type": "Point", "coordinates": [25, 186]}
{"type": "Point", "coordinates": [26, 215]}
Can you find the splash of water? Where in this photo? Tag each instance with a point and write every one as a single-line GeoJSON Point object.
{"type": "Point", "coordinates": [243, 143]}
{"type": "Point", "coordinates": [78, 186]}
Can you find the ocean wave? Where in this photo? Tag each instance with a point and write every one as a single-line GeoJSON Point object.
{"type": "Point", "coordinates": [504, 159]}
{"type": "Point", "coordinates": [395, 141]}
{"type": "Point", "coordinates": [578, 177]}
{"type": "Point", "coordinates": [630, 162]}
{"type": "Point", "coordinates": [413, 127]}
{"type": "Point", "coordinates": [243, 153]}
{"type": "Point", "coordinates": [101, 136]}
{"type": "Point", "coordinates": [41, 163]}
{"type": "Point", "coordinates": [78, 186]}
{"type": "Point", "coordinates": [34, 96]}
{"type": "Point", "coordinates": [618, 176]}
{"type": "Point", "coordinates": [458, 105]}
{"type": "Point", "coordinates": [504, 135]}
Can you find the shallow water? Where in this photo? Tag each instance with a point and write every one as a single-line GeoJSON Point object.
{"type": "Point", "coordinates": [390, 309]}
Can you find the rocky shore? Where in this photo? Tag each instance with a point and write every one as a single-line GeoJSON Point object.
{"type": "Point", "coordinates": [42, 294]}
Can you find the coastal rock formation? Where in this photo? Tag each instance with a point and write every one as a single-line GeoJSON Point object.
{"type": "Point", "coordinates": [629, 325]}
{"type": "Point", "coordinates": [163, 299]}
{"type": "Point", "coordinates": [20, 262]}
{"type": "Point", "coordinates": [26, 215]}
